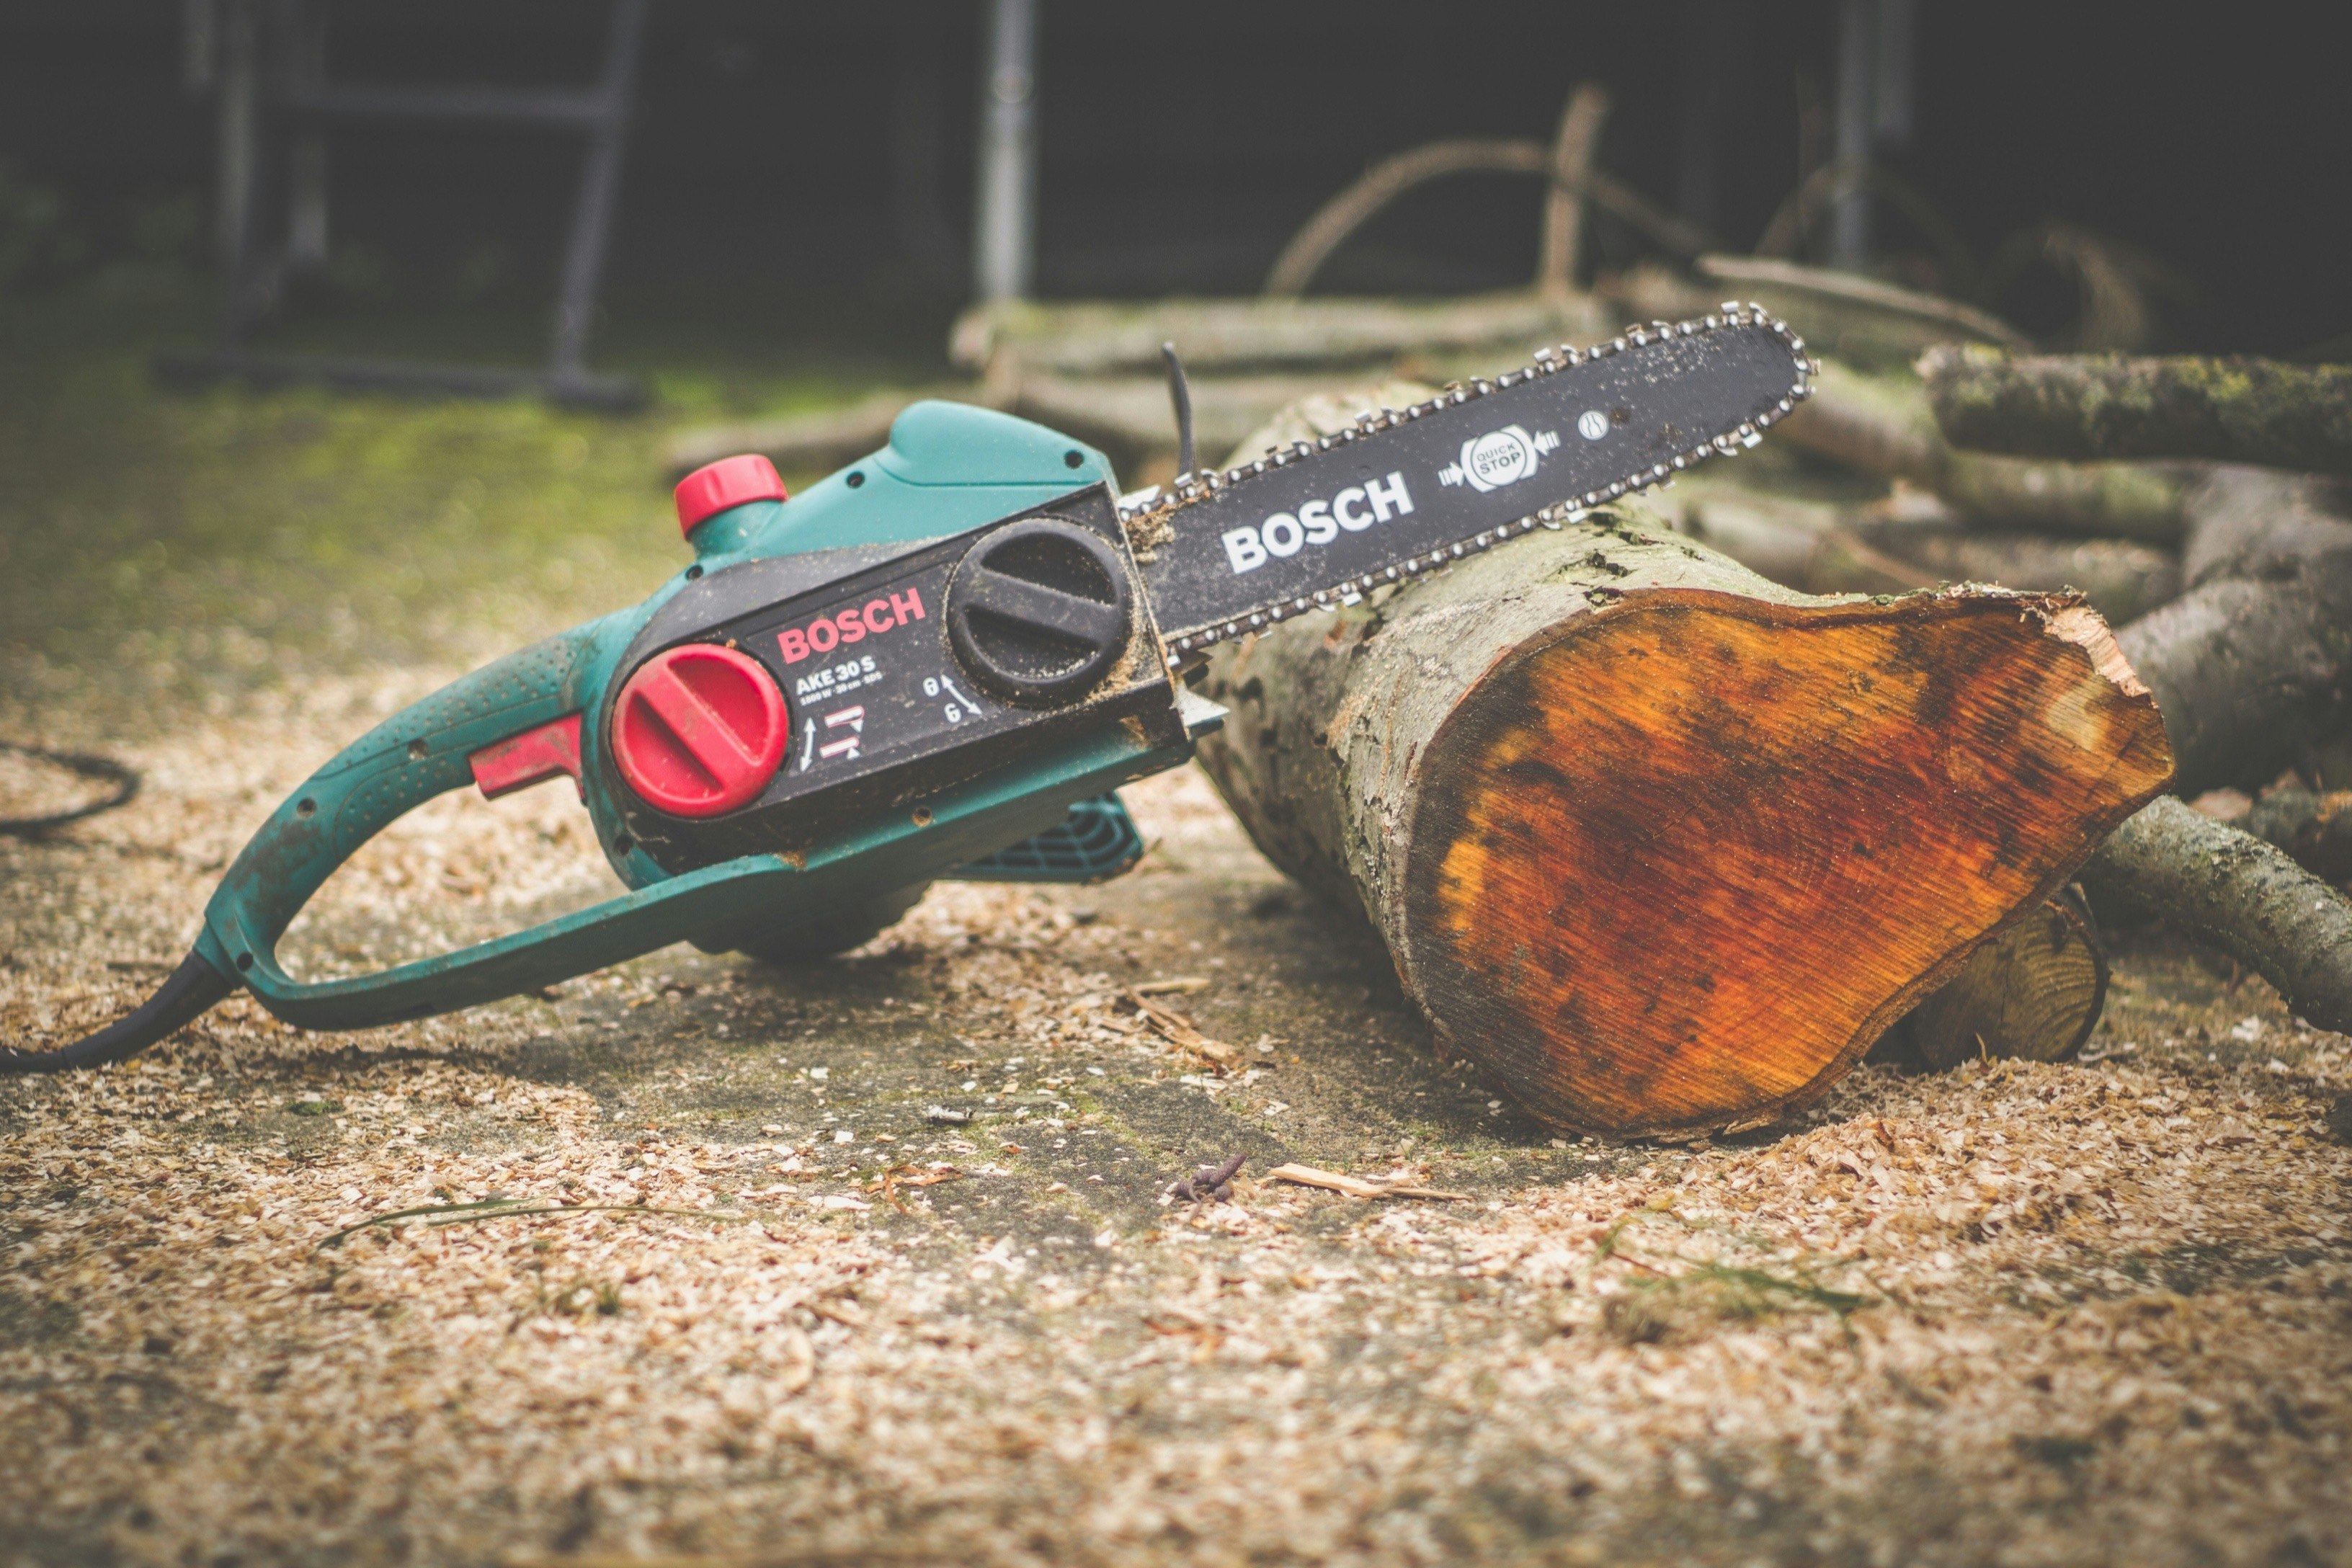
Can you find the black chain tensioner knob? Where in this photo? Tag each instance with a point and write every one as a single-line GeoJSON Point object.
{"type": "Point", "coordinates": [1039, 611]}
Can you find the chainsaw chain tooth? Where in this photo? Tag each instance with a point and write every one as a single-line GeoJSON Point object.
{"type": "Point", "coordinates": [1546, 361]}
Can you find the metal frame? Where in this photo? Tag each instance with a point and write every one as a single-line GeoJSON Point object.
{"type": "Point", "coordinates": [264, 59]}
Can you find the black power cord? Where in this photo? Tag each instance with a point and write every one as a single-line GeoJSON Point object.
{"type": "Point", "coordinates": [1179, 393]}
{"type": "Point", "coordinates": [125, 779]}
{"type": "Point", "coordinates": [193, 987]}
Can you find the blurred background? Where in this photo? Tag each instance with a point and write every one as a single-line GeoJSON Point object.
{"type": "Point", "coordinates": [790, 163]}
{"type": "Point", "coordinates": [754, 210]}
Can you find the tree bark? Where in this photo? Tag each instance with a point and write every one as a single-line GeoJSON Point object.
{"type": "Point", "coordinates": [2212, 881]}
{"type": "Point", "coordinates": [2114, 405]}
{"type": "Point", "coordinates": [1659, 845]}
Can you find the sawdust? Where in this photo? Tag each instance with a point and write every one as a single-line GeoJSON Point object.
{"type": "Point", "coordinates": [735, 1290]}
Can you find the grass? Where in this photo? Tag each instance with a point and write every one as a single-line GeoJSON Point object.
{"type": "Point", "coordinates": [192, 547]}
{"type": "Point", "coordinates": [1674, 1293]}
{"type": "Point", "coordinates": [440, 1215]}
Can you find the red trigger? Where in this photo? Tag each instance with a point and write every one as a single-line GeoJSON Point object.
{"type": "Point", "coordinates": [520, 761]}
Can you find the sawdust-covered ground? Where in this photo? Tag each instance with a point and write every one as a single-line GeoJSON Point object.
{"type": "Point", "coordinates": [2063, 1314]}
{"type": "Point", "coordinates": [870, 1260]}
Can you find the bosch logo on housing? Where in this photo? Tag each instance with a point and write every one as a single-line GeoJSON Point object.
{"type": "Point", "coordinates": [855, 623]}
{"type": "Point", "coordinates": [1355, 508]}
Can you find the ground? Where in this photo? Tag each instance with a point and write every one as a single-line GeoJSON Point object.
{"type": "Point", "coordinates": [874, 1260]}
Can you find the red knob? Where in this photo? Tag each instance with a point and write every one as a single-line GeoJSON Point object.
{"type": "Point", "coordinates": [698, 729]}
{"type": "Point", "coordinates": [729, 481]}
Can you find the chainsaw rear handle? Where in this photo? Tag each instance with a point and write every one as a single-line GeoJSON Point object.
{"type": "Point", "coordinates": [422, 752]}
{"type": "Point", "coordinates": [419, 753]}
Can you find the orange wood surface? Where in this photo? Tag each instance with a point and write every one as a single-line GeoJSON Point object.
{"type": "Point", "coordinates": [1677, 866]}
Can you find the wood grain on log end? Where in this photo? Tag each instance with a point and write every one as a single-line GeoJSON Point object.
{"type": "Point", "coordinates": [1676, 863]}
{"type": "Point", "coordinates": [2034, 992]}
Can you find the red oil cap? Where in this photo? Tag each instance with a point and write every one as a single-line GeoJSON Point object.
{"type": "Point", "coordinates": [729, 481]}
{"type": "Point", "coordinates": [698, 729]}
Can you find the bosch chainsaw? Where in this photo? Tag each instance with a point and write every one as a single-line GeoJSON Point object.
{"type": "Point", "coordinates": [937, 662]}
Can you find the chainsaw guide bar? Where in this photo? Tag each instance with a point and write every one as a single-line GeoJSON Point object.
{"type": "Point", "coordinates": [1404, 491]}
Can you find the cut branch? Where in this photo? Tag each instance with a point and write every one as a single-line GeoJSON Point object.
{"type": "Point", "coordinates": [2035, 991]}
{"type": "Point", "coordinates": [1568, 163]}
{"type": "Point", "coordinates": [1573, 153]}
{"type": "Point", "coordinates": [2246, 897]}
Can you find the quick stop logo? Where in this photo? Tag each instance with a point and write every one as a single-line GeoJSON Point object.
{"type": "Point", "coordinates": [854, 624]}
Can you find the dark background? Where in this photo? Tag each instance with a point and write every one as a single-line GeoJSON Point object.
{"type": "Point", "coordinates": [781, 147]}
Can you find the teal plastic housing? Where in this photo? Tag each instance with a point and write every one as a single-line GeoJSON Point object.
{"type": "Point", "coordinates": [947, 468]}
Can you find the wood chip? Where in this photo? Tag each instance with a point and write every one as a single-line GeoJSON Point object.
{"type": "Point", "coordinates": [1179, 1031]}
{"type": "Point", "coordinates": [1357, 1187]}
{"type": "Point", "coordinates": [1183, 983]}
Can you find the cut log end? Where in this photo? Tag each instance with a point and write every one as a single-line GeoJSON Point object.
{"type": "Point", "coordinates": [2034, 992]}
{"type": "Point", "coordinates": [1676, 864]}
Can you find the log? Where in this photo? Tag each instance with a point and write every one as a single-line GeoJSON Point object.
{"type": "Point", "coordinates": [1661, 846]}
{"type": "Point", "coordinates": [2034, 992]}
{"type": "Point", "coordinates": [1882, 426]}
{"type": "Point", "coordinates": [2212, 881]}
{"type": "Point", "coordinates": [1800, 544]}
{"type": "Point", "coordinates": [2253, 666]}
{"type": "Point", "coordinates": [2315, 828]}
{"type": "Point", "coordinates": [1863, 299]}
{"type": "Point", "coordinates": [1098, 337]}
{"type": "Point", "coordinates": [2122, 580]}
{"type": "Point", "coordinates": [2260, 522]}
{"type": "Point", "coordinates": [2234, 410]}
{"type": "Point", "coordinates": [1825, 549]}
{"type": "Point", "coordinates": [1859, 322]}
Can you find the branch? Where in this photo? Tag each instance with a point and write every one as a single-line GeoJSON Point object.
{"type": "Point", "coordinates": [2250, 901]}
{"type": "Point", "coordinates": [2109, 406]}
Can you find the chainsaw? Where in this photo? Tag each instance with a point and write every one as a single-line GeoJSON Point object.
{"type": "Point", "coordinates": [938, 662]}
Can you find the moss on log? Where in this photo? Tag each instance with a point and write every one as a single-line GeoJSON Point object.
{"type": "Point", "coordinates": [1881, 425]}
{"type": "Point", "coordinates": [1659, 845]}
{"type": "Point", "coordinates": [2091, 407]}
